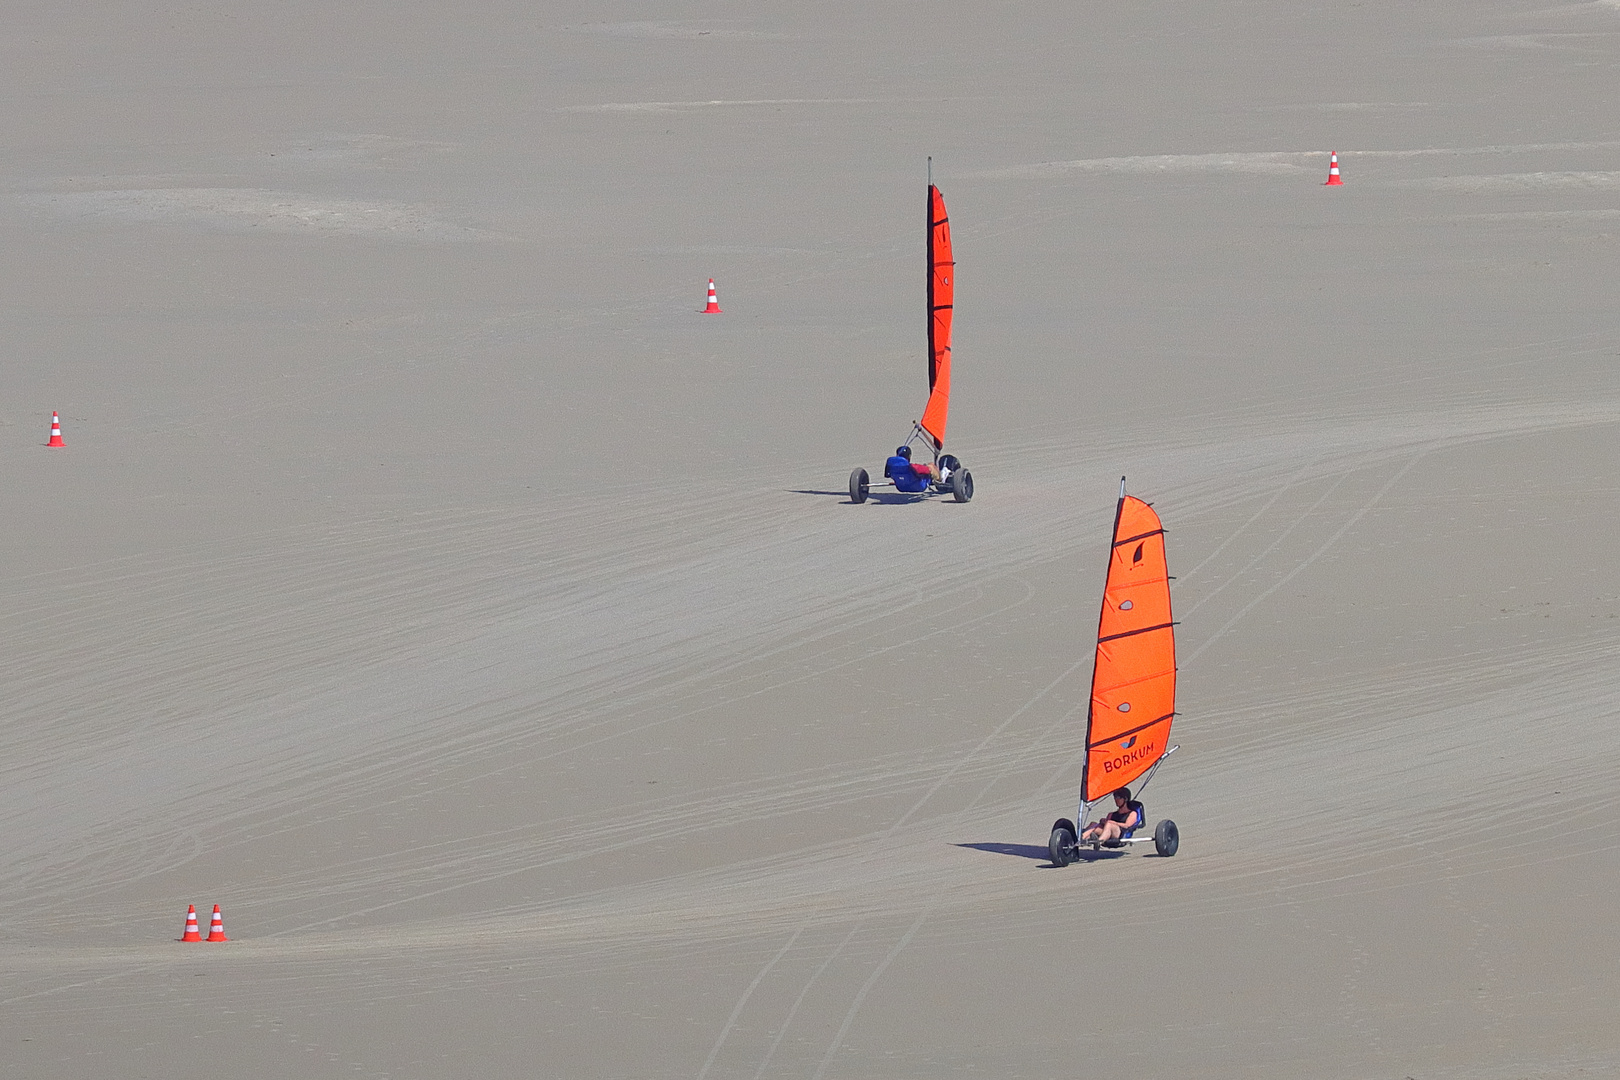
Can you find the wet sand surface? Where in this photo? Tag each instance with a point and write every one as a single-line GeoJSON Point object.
{"type": "Point", "coordinates": [490, 635]}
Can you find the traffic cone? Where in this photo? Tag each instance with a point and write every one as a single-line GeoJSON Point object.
{"type": "Point", "coordinates": [216, 928]}
{"type": "Point", "coordinates": [714, 301]}
{"type": "Point", "coordinates": [191, 933]}
{"type": "Point", "coordinates": [1333, 171]}
{"type": "Point", "coordinates": [56, 432]}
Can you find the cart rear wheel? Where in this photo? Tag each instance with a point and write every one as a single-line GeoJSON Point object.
{"type": "Point", "coordinates": [860, 485]}
{"type": "Point", "coordinates": [962, 485]}
{"type": "Point", "coordinates": [1166, 838]}
{"type": "Point", "coordinates": [1061, 844]}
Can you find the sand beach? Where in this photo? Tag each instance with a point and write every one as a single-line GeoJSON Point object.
{"type": "Point", "coordinates": [425, 582]}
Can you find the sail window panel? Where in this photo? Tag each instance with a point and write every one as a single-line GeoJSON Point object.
{"type": "Point", "coordinates": [1149, 606]}
{"type": "Point", "coordinates": [1148, 699]}
{"type": "Point", "coordinates": [1125, 568]}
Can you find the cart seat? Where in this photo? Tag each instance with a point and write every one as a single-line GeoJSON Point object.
{"type": "Point", "coordinates": [1125, 834]}
{"type": "Point", "coordinates": [904, 476]}
{"type": "Point", "coordinates": [1141, 818]}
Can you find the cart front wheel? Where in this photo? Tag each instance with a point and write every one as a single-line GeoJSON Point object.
{"type": "Point", "coordinates": [860, 486]}
{"type": "Point", "coordinates": [1061, 845]}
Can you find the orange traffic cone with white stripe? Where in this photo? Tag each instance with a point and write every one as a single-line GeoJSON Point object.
{"type": "Point", "coordinates": [56, 432]}
{"type": "Point", "coordinates": [714, 301]}
{"type": "Point", "coordinates": [191, 933]}
{"type": "Point", "coordinates": [1333, 171]}
{"type": "Point", "coordinates": [216, 928]}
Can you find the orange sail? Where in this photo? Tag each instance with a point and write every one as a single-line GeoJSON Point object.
{"type": "Point", "coordinates": [941, 293]}
{"type": "Point", "coordinates": [1133, 686]}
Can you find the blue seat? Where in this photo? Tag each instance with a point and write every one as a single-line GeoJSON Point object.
{"type": "Point", "coordinates": [899, 470]}
{"type": "Point", "coordinates": [1141, 818]}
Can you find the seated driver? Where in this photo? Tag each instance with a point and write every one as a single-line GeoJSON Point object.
{"type": "Point", "coordinates": [1125, 817]}
{"type": "Point", "coordinates": [907, 474]}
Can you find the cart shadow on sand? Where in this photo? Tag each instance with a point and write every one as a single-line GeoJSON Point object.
{"type": "Point", "coordinates": [889, 498]}
{"type": "Point", "coordinates": [1042, 855]}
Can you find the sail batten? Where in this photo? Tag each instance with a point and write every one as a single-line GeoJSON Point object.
{"type": "Point", "coordinates": [941, 308]}
{"type": "Point", "coordinates": [1135, 671]}
{"type": "Point", "coordinates": [1134, 730]}
{"type": "Point", "coordinates": [1133, 633]}
{"type": "Point", "coordinates": [1138, 536]}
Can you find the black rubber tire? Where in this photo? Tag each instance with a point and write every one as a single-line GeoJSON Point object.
{"type": "Point", "coordinates": [1060, 845]}
{"type": "Point", "coordinates": [949, 463]}
{"type": "Point", "coordinates": [1166, 838]}
{"type": "Point", "coordinates": [962, 485]}
{"type": "Point", "coordinates": [860, 486]}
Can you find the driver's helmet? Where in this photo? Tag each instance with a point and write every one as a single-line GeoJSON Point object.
{"type": "Point", "coordinates": [903, 451]}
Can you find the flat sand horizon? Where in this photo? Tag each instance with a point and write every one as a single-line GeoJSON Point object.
{"type": "Point", "coordinates": [426, 583]}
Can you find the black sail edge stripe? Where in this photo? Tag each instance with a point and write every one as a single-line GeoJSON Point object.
{"type": "Point", "coordinates": [1143, 536]}
{"type": "Point", "coordinates": [1133, 633]}
{"type": "Point", "coordinates": [1133, 731]}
